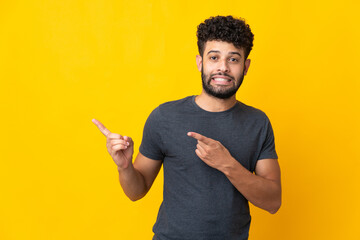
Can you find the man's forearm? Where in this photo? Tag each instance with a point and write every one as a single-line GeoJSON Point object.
{"type": "Point", "coordinates": [132, 182]}
{"type": "Point", "coordinates": [263, 193]}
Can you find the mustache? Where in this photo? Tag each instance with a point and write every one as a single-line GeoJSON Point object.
{"type": "Point", "coordinates": [221, 73]}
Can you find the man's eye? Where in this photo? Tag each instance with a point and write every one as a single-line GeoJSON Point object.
{"type": "Point", "coordinates": [233, 60]}
{"type": "Point", "coordinates": [213, 58]}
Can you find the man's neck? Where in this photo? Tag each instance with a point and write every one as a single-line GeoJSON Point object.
{"type": "Point", "coordinates": [213, 104]}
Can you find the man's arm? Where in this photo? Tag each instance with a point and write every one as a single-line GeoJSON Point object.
{"type": "Point", "coordinates": [135, 178]}
{"type": "Point", "coordinates": [263, 189]}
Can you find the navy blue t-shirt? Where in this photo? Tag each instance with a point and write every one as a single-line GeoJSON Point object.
{"type": "Point", "coordinates": [199, 202]}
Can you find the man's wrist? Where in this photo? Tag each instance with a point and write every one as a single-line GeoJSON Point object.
{"type": "Point", "coordinates": [229, 166]}
{"type": "Point", "coordinates": [125, 168]}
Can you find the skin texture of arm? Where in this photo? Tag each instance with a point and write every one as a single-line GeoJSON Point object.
{"type": "Point", "coordinates": [137, 179]}
{"type": "Point", "coordinates": [263, 189]}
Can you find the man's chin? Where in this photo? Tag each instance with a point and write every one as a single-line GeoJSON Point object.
{"type": "Point", "coordinates": [219, 94]}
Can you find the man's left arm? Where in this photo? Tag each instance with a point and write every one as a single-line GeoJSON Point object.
{"type": "Point", "coordinates": [263, 189]}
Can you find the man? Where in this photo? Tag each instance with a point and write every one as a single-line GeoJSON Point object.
{"type": "Point", "coordinates": [209, 144]}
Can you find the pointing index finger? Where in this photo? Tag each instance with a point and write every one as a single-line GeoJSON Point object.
{"type": "Point", "coordinates": [101, 127]}
{"type": "Point", "coordinates": [199, 137]}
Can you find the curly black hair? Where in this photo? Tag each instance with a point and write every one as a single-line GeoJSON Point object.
{"type": "Point", "coordinates": [227, 29]}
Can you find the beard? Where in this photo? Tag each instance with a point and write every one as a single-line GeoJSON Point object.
{"type": "Point", "coordinates": [220, 92]}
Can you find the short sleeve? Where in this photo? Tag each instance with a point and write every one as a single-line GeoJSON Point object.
{"type": "Point", "coordinates": [151, 144]}
{"type": "Point", "coordinates": [268, 143]}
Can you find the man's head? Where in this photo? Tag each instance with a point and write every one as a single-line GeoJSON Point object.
{"type": "Point", "coordinates": [224, 45]}
{"type": "Point", "coordinates": [226, 29]}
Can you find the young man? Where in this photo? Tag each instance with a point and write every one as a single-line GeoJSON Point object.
{"type": "Point", "coordinates": [209, 146]}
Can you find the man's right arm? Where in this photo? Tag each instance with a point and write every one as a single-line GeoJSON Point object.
{"type": "Point", "coordinates": [135, 178]}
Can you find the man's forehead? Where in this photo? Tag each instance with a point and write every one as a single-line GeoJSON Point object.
{"type": "Point", "coordinates": [222, 47]}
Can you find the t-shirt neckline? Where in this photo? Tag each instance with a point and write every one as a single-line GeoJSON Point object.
{"type": "Point", "coordinates": [213, 113]}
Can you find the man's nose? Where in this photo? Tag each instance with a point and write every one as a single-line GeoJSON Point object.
{"type": "Point", "coordinates": [223, 66]}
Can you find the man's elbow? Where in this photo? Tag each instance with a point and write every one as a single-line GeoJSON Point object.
{"type": "Point", "coordinates": [135, 198]}
{"type": "Point", "coordinates": [275, 209]}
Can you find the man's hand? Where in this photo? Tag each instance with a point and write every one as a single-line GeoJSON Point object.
{"type": "Point", "coordinates": [120, 148]}
{"type": "Point", "coordinates": [212, 152]}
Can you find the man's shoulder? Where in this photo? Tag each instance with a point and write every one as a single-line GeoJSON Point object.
{"type": "Point", "coordinates": [252, 112]}
{"type": "Point", "coordinates": [176, 103]}
{"type": "Point", "coordinates": [173, 108]}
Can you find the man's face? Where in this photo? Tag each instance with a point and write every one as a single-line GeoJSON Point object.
{"type": "Point", "coordinates": [222, 67]}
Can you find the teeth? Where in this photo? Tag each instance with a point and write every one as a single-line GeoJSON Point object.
{"type": "Point", "coordinates": [222, 79]}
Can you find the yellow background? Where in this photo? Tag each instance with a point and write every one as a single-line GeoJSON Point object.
{"type": "Point", "coordinates": [63, 63]}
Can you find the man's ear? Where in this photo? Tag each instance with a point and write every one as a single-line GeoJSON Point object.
{"type": "Point", "coordinates": [199, 62]}
{"type": "Point", "coordinates": [247, 65]}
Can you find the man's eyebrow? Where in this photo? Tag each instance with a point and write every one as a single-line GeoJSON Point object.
{"type": "Point", "coordinates": [217, 51]}
{"type": "Point", "coordinates": [237, 53]}
{"type": "Point", "coordinates": [213, 51]}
